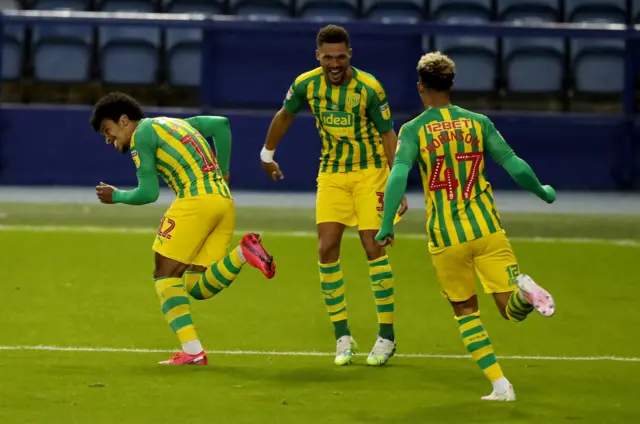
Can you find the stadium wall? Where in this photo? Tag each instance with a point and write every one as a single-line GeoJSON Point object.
{"type": "Point", "coordinates": [46, 145]}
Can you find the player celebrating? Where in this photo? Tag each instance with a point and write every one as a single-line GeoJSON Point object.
{"type": "Point", "coordinates": [193, 237]}
{"type": "Point", "coordinates": [465, 233]}
{"type": "Point", "coordinates": [358, 146]}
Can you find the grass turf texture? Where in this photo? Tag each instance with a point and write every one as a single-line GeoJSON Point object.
{"type": "Point", "coordinates": [80, 289]}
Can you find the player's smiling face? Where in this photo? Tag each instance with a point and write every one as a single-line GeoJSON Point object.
{"type": "Point", "coordinates": [117, 134]}
{"type": "Point", "coordinates": [334, 59]}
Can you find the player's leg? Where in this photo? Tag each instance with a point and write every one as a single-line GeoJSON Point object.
{"type": "Point", "coordinates": [213, 269]}
{"type": "Point", "coordinates": [516, 295]}
{"type": "Point", "coordinates": [334, 211]}
{"type": "Point", "coordinates": [368, 199]}
{"type": "Point", "coordinates": [181, 233]}
{"type": "Point", "coordinates": [175, 307]}
{"type": "Point", "coordinates": [455, 273]}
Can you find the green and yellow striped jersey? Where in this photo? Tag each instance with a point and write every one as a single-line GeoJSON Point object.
{"type": "Point", "coordinates": [449, 145]}
{"type": "Point", "coordinates": [349, 118]}
{"type": "Point", "coordinates": [175, 150]}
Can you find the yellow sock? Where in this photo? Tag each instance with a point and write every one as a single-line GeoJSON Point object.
{"type": "Point", "coordinates": [332, 285]}
{"type": "Point", "coordinates": [382, 286]}
{"type": "Point", "coordinates": [518, 308]}
{"type": "Point", "coordinates": [175, 307]}
{"type": "Point", "coordinates": [204, 285]}
{"type": "Point", "coordinates": [477, 342]}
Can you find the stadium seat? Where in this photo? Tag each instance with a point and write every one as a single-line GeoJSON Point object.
{"type": "Point", "coordinates": [13, 39]}
{"type": "Point", "coordinates": [11, 59]}
{"type": "Point", "coordinates": [129, 62]}
{"type": "Point", "coordinates": [193, 6]}
{"type": "Point", "coordinates": [189, 35]}
{"type": "Point", "coordinates": [328, 10]}
{"type": "Point", "coordinates": [476, 57]}
{"type": "Point", "coordinates": [444, 9]}
{"type": "Point", "coordinates": [599, 72]}
{"type": "Point", "coordinates": [588, 10]}
{"type": "Point", "coordinates": [598, 64]}
{"type": "Point", "coordinates": [61, 4]}
{"type": "Point", "coordinates": [108, 34]}
{"type": "Point", "coordinates": [401, 11]}
{"type": "Point", "coordinates": [69, 32]}
{"type": "Point", "coordinates": [444, 43]}
{"type": "Point", "coordinates": [62, 61]}
{"type": "Point", "coordinates": [534, 64]}
{"type": "Point", "coordinates": [580, 45]}
{"type": "Point", "coordinates": [181, 75]}
{"type": "Point", "coordinates": [475, 69]}
{"type": "Point", "coordinates": [261, 9]}
{"type": "Point", "coordinates": [129, 55]}
{"type": "Point", "coordinates": [511, 10]}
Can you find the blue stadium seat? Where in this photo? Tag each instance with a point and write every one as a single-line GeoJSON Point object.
{"type": "Point", "coordinates": [600, 72]}
{"type": "Point", "coordinates": [129, 62]}
{"type": "Point", "coordinates": [61, 4]}
{"type": "Point", "coordinates": [181, 75]}
{"type": "Point", "coordinates": [261, 9]}
{"type": "Point", "coordinates": [444, 9]}
{"type": "Point", "coordinates": [579, 45]}
{"type": "Point", "coordinates": [129, 55]}
{"type": "Point", "coordinates": [108, 34]}
{"type": "Point", "coordinates": [533, 64]}
{"type": "Point", "coordinates": [400, 11]}
{"type": "Point", "coordinates": [328, 10]}
{"type": "Point", "coordinates": [597, 63]}
{"type": "Point", "coordinates": [11, 59]}
{"type": "Point", "coordinates": [189, 35]}
{"type": "Point", "coordinates": [71, 32]}
{"type": "Point", "coordinates": [475, 69]}
{"type": "Point", "coordinates": [446, 43]}
{"type": "Point", "coordinates": [12, 32]}
{"type": "Point", "coordinates": [587, 10]}
{"type": "Point", "coordinates": [511, 10]}
{"type": "Point", "coordinates": [193, 6]}
{"type": "Point", "coordinates": [62, 61]}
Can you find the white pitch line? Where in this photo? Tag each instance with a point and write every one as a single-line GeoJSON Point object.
{"type": "Point", "coordinates": [302, 234]}
{"type": "Point", "coordinates": [311, 353]}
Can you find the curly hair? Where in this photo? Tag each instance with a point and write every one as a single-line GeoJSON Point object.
{"type": "Point", "coordinates": [113, 106]}
{"type": "Point", "coordinates": [436, 71]}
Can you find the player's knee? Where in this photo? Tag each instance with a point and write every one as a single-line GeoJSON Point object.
{"type": "Point", "coordinates": [465, 307]}
{"type": "Point", "coordinates": [328, 250]}
{"type": "Point", "coordinates": [371, 247]}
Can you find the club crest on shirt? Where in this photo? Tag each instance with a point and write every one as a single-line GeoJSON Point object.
{"type": "Point", "coordinates": [136, 158]}
{"type": "Point", "coordinates": [353, 100]}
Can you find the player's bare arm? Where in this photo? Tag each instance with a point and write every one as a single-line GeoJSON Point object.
{"type": "Point", "coordinates": [278, 128]}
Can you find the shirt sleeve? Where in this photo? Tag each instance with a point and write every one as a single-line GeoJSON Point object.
{"type": "Point", "coordinates": [143, 153]}
{"type": "Point", "coordinates": [379, 111]}
{"type": "Point", "coordinates": [294, 98]}
{"type": "Point", "coordinates": [218, 128]}
{"type": "Point", "coordinates": [495, 144]}
{"type": "Point", "coordinates": [406, 155]}
{"type": "Point", "coordinates": [408, 147]}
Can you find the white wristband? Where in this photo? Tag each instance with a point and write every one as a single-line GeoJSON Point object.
{"type": "Point", "coordinates": [267, 155]}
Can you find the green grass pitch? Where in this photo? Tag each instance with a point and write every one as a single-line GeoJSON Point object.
{"type": "Point", "coordinates": [78, 276]}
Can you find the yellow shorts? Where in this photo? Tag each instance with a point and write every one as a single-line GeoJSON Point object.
{"type": "Point", "coordinates": [352, 198]}
{"type": "Point", "coordinates": [196, 230]}
{"type": "Point", "coordinates": [490, 258]}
